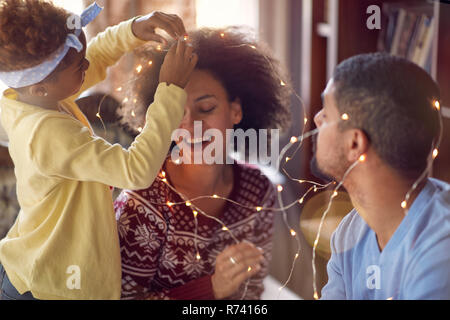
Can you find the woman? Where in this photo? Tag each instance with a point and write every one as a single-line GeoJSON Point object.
{"type": "Point", "coordinates": [170, 250]}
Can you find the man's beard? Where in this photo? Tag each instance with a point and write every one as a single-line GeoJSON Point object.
{"type": "Point", "coordinates": [317, 172]}
{"type": "Point", "coordinates": [314, 166]}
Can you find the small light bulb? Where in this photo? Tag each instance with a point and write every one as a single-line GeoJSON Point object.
{"type": "Point", "coordinates": [158, 47]}
{"type": "Point", "coordinates": [198, 256]}
{"type": "Point", "coordinates": [403, 204]}
{"type": "Point", "coordinates": [133, 114]}
{"type": "Point", "coordinates": [252, 46]}
{"type": "Point", "coordinates": [344, 117]}
{"type": "Point", "coordinates": [215, 196]}
{"type": "Point", "coordinates": [169, 204]}
{"type": "Point", "coordinates": [335, 193]}
{"type": "Point", "coordinates": [164, 180]}
{"type": "Point", "coordinates": [195, 213]}
{"type": "Point", "coordinates": [125, 100]}
{"type": "Point", "coordinates": [305, 120]}
{"type": "Point", "coordinates": [287, 159]}
{"type": "Point", "coordinates": [163, 173]}
{"type": "Point", "coordinates": [139, 68]}
{"type": "Point", "coordinates": [224, 228]}
{"type": "Point", "coordinates": [437, 105]}
{"type": "Point", "coordinates": [258, 209]}
{"type": "Point", "coordinates": [316, 296]}
{"type": "Point", "coordinates": [98, 115]}
{"type": "Point", "coordinates": [294, 139]}
{"type": "Point", "coordinates": [435, 153]}
{"type": "Point", "coordinates": [362, 158]}
{"type": "Point", "coordinates": [293, 233]}
{"type": "Point", "coordinates": [139, 129]}
{"type": "Point", "coordinates": [188, 203]}
{"type": "Point", "coordinates": [119, 89]}
{"type": "Point", "coordinates": [222, 35]}
{"type": "Point", "coordinates": [280, 188]}
{"type": "Point", "coordinates": [150, 62]}
{"type": "Point", "coordinates": [282, 83]}
{"type": "Point", "coordinates": [249, 269]}
{"type": "Point", "coordinates": [300, 201]}
{"type": "Point", "coordinates": [296, 255]}
{"type": "Point", "coordinates": [185, 37]}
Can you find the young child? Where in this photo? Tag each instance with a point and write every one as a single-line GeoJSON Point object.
{"type": "Point", "coordinates": [64, 243]}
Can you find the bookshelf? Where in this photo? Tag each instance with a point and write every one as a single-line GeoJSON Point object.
{"type": "Point", "coordinates": [334, 30]}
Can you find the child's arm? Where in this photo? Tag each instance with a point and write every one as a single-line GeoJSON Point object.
{"type": "Point", "coordinates": [63, 147]}
{"type": "Point", "coordinates": [110, 45]}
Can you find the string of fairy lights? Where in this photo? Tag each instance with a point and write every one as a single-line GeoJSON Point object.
{"type": "Point", "coordinates": [281, 208]}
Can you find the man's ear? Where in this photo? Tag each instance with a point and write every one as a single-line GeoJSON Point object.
{"type": "Point", "coordinates": [358, 144]}
{"type": "Point", "coordinates": [38, 90]}
{"type": "Point", "coordinates": [236, 111]}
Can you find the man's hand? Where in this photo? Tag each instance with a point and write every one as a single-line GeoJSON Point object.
{"type": "Point", "coordinates": [144, 27]}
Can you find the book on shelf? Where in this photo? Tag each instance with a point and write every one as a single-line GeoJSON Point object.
{"type": "Point", "coordinates": [408, 33]}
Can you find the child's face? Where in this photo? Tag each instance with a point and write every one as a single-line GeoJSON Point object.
{"type": "Point", "coordinates": [68, 78]}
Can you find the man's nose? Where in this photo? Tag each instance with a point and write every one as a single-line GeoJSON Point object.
{"type": "Point", "coordinates": [317, 119]}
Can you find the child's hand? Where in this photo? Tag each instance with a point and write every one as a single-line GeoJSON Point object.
{"type": "Point", "coordinates": [144, 27]}
{"type": "Point", "coordinates": [178, 64]}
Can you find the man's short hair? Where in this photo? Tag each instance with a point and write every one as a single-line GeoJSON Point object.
{"type": "Point", "coordinates": [392, 100]}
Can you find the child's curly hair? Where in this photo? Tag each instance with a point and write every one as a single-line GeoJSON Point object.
{"type": "Point", "coordinates": [246, 69]}
{"type": "Point", "coordinates": [30, 30]}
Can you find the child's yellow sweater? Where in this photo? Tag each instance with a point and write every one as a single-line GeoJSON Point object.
{"type": "Point", "coordinates": [66, 223]}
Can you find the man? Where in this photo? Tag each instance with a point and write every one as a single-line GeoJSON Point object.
{"type": "Point", "coordinates": [390, 246]}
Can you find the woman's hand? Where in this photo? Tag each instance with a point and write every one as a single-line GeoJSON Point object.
{"type": "Point", "coordinates": [234, 265]}
{"type": "Point", "coordinates": [144, 27]}
{"type": "Point", "coordinates": [178, 64]}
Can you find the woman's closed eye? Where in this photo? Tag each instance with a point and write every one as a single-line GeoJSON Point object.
{"type": "Point", "coordinates": [207, 109]}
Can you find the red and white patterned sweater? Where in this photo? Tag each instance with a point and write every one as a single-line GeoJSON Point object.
{"type": "Point", "coordinates": [157, 241]}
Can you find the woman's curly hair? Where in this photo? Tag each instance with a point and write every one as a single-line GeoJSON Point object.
{"type": "Point", "coordinates": [30, 30]}
{"type": "Point", "coordinates": [246, 69]}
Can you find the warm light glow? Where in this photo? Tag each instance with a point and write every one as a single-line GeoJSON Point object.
{"type": "Point", "coordinates": [215, 196]}
{"type": "Point", "coordinates": [163, 173]}
{"type": "Point", "coordinates": [164, 180]}
{"type": "Point", "coordinates": [125, 100]}
{"type": "Point", "coordinates": [253, 47]}
{"type": "Point", "coordinates": [188, 203]}
{"type": "Point", "coordinates": [305, 120]}
{"type": "Point", "coordinates": [249, 269]}
{"type": "Point", "coordinates": [119, 89]}
{"type": "Point", "coordinates": [287, 159]}
{"type": "Point", "coordinates": [198, 256]}
{"type": "Point", "coordinates": [294, 139]}
{"type": "Point", "coordinates": [300, 201]}
{"type": "Point", "coordinates": [344, 117]}
{"type": "Point", "coordinates": [293, 233]}
{"type": "Point", "coordinates": [435, 153]}
{"type": "Point", "coordinates": [195, 213]}
{"type": "Point", "coordinates": [296, 256]}
{"type": "Point", "coordinates": [335, 193]}
{"type": "Point", "coordinates": [98, 115]}
{"type": "Point", "coordinates": [282, 83]}
{"type": "Point", "coordinates": [133, 114]}
{"type": "Point", "coordinates": [362, 158]}
{"type": "Point", "coordinates": [437, 105]}
{"type": "Point", "coordinates": [316, 296]}
{"type": "Point", "coordinates": [224, 228]}
{"type": "Point", "coordinates": [139, 68]}
{"type": "Point", "coordinates": [169, 203]}
{"type": "Point", "coordinates": [258, 209]}
{"type": "Point", "coordinates": [158, 47]}
{"type": "Point", "coordinates": [222, 35]}
{"type": "Point", "coordinates": [280, 188]}
{"type": "Point", "coordinates": [403, 204]}
{"type": "Point", "coordinates": [185, 37]}
{"type": "Point", "coordinates": [140, 129]}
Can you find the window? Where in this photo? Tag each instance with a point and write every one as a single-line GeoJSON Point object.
{"type": "Point", "coordinates": [221, 13]}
